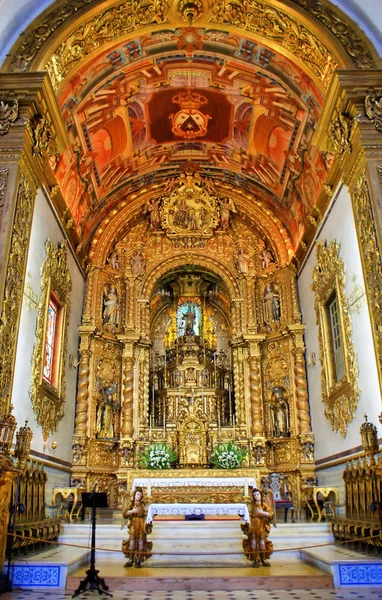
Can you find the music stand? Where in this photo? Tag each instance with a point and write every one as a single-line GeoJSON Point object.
{"type": "Point", "coordinates": [92, 582]}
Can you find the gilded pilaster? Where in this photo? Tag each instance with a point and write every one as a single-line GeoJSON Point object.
{"type": "Point", "coordinates": [350, 125]}
{"type": "Point", "coordinates": [31, 129]}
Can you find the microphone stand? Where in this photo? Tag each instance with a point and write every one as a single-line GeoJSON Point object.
{"type": "Point", "coordinates": [92, 581]}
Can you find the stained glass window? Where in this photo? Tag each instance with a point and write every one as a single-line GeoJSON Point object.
{"type": "Point", "coordinates": [50, 339]}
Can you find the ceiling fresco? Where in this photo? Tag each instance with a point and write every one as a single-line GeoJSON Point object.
{"type": "Point", "coordinates": [233, 109]}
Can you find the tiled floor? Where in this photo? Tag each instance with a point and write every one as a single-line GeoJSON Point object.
{"type": "Point", "coordinates": [351, 594]}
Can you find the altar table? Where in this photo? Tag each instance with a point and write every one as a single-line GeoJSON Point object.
{"type": "Point", "coordinates": [240, 510]}
{"type": "Point", "coordinates": [211, 482]}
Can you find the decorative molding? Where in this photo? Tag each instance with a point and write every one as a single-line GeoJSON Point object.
{"type": "Point", "coordinates": [3, 186]}
{"type": "Point", "coordinates": [340, 132]}
{"type": "Point", "coordinates": [9, 111]}
{"type": "Point", "coordinates": [14, 289]}
{"type": "Point", "coordinates": [48, 401]}
{"type": "Point", "coordinates": [373, 107]}
{"type": "Point", "coordinates": [340, 397]}
{"type": "Point", "coordinates": [371, 256]}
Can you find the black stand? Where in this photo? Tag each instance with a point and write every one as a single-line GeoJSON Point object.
{"type": "Point", "coordinates": [92, 581]}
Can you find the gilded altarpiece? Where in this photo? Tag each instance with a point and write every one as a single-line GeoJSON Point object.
{"type": "Point", "coordinates": [191, 335]}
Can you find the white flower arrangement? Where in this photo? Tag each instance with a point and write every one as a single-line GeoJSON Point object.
{"type": "Point", "coordinates": [228, 456]}
{"type": "Point", "coordinates": [158, 456]}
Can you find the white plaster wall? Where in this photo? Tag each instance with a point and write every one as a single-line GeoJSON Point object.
{"type": "Point", "coordinates": [341, 227]}
{"type": "Point", "coordinates": [17, 14]}
{"type": "Point", "coordinates": [45, 226]}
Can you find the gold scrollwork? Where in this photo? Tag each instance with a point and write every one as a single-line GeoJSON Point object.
{"type": "Point", "coordinates": [101, 29]}
{"type": "Point", "coordinates": [3, 186]}
{"type": "Point", "coordinates": [339, 133]}
{"type": "Point", "coordinates": [339, 396]}
{"type": "Point", "coordinates": [48, 400]}
{"type": "Point", "coordinates": [371, 255]}
{"type": "Point", "coordinates": [14, 289]}
{"type": "Point", "coordinates": [373, 107]}
{"type": "Point", "coordinates": [9, 111]}
{"type": "Point", "coordinates": [42, 136]}
{"type": "Point", "coordinates": [280, 27]}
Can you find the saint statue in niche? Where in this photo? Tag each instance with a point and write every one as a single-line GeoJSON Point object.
{"type": "Point", "coordinates": [227, 207]}
{"type": "Point", "coordinates": [152, 209]}
{"type": "Point", "coordinates": [189, 321]}
{"type": "Point", "coordinates": [110, 306]}
{"type": "Point", "coordinates": [266, 259]}
{"type": "Point", "coordinates": [138, 263]}
{"type": "Point", "coordinates": [105, 412]}
{"type": "Point", "coordinates": [280, 413]}
{"type": "Point", "coordinates": [272, 312]}
{"type": "Point", "coordinates": [113, 259]}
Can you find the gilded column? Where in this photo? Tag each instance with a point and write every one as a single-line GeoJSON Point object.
{"type": "Point", "coordinates": [238, 374]}
{"type": "Point", "coordinates": [127, 423]}
{"type": "Point", "coordinates": [82, 405]}
{"type": "Point", "coordinates": [301, 387]}
{"type": "Point", "coordinates": [257, 428]}
{"type": "Point", "coordinates": [87, 314]}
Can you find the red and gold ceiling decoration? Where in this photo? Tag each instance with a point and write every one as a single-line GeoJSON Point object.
{"type": "Point", "coordinates": [232, 89]}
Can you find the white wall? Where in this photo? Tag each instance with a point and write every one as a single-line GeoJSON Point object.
{"type": "Point", "coordinates": [341, 227]}
{"type": "Point", "coordinates": [17, 14]}
{"type": "Point", "coordinates": [46, 226]}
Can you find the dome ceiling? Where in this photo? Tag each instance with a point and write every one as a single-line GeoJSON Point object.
{"type": "Point", "coordinates": [230, 90]}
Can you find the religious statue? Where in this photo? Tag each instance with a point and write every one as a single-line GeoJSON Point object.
{"type": "Point", "coordinates": [105, 413]}
{"type": "Point", "coordinates": [189, 321]}
{"type": "Point", "coordinates": [138, 263]}
{"type": "Point", "coordinates": [110, 306]}
{"type": "Point", "coordinates": [272, 311]}
{"type": "Point", "coordinates": [152, 208]}
{"type": "Point", "coordinates": [136, 549]}
{"type": "Point", "coordinates": [266, 259]}
{"type": "Point", "coordinates": [113, 260]}
{"type": "Point", "coordinates": [257, 548]}
{"type": "Point", "coordinates": [279, 411]}
{"type": "Point", "coordinates": [227, 207]}
{"type": "Point", "coordinates": [241, 261]}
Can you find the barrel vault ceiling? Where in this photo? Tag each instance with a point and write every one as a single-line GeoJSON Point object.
{"type": "Point", "coordinates": [231, 90]}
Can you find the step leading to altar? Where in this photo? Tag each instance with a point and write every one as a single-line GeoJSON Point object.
{"type": "Point", "coordinates": [348, 568]}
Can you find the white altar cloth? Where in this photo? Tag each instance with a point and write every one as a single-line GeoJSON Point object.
{"type": "Point", "coordinates": [197, 509]}
{"type": "Point", "coordinates": [149, 482]}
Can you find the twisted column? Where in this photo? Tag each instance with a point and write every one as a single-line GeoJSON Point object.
{"type": "Point", "coordinates": [127, 427]}
{"type": "Point", "coordinates": [255, 391]}
{"type": "Point", "coordinates": [301, 391]}
{"type": "Point", "coordinates": [82, 404]}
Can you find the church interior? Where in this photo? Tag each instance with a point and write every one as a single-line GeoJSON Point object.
{"type": "Point", "coordinates": [191, 298]}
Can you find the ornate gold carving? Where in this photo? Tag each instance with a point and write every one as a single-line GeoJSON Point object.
{"type": "Point", "coordinates": [255, 391]}
{"type": "Point", "coordinates": [14, 288]}
{"type": "Point", "coordinates": [344, 33]}
{"type": "Point", "coordinates": [42, 136]}
{"type": "Point", "coordinates": [365, 224]}
{"type": "Point", "coordinates": [301, 391]}
{"type": "Point", "coordinates": [189, 210]}
{"type": "Point", "coordinates": [41, 32]}
{"type": "Point", "coordinates": [9, 111]}
{"type": "Point", "coordinates": [48, 401]}
{"type": "Point", "coordinates": [190, 10]}
{"type": "Point", "coordinates": [280, 27]}
{"type": "Point", "coordinates": [340, 397]}
{"type": "Point", "coordinates": [339, 133]}
{"type": "Point", "coordinates": [373, 106]}
{"type": "Point", "coordinates": [101, 29]}
{"type": "Point", "coordinates": [3, 186]}
{"type": "Point", "coordinates": [83, 390]}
